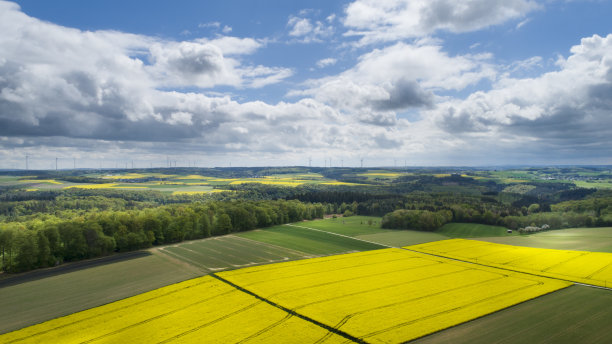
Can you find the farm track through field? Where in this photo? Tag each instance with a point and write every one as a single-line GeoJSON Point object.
{"type": "Point", "coordinates": [340, 235]}
{"type": "Point", "coordinates": [292, 312]}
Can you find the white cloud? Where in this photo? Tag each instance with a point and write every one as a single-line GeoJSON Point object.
{"type": "Point", "coordinates": [522, 23]}
{"type": "Point", "coordinates": [398, 77]}
{"type": "Point", "coordinates": [180, 118]}
{"type": "Point", "coordinates": [306, 30]}
{"type": "Point", "coordinates": [389, 20]}
{"type": "Point", "coordinates": [299, 26]}
{"type": "Point", "coordinates": [330, 61]}
{"type": "Point", "coordinates": [110, 94]}
{"type": "Point", "coordinates": [233, 45]}
{"type": "Point", "coordinates": [565, 111]}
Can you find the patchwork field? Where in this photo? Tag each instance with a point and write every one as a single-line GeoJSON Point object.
{"type": "Point", "coordinates": [171, 183]}
{"type": "Point", "coordinates": [202, 309]}
{"type": "Point", "coordinates": [578, 266]}
{"type": "Point", "coordinates": [388, 295]}
{"type": "Point", "coordinates": [380, 295]}
{"type": "Point", "coordinates": [40, 296]}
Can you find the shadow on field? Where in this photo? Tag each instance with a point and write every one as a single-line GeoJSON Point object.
{"type": "Point", "coordinates": [14, 279]}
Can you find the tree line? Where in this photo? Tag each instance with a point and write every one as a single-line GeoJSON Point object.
{"type": "Point", "coordinates": [51, 240]}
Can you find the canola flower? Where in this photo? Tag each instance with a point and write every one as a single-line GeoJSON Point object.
{"type": "Point", "coordinates": [578, 266]}
{"type": "Point", "coordinates": [199, 310]}
{"type": "Point", "coordinates": [380, 296]}
{"type": "Point", "coordinates": [390, 295]}
{"type": "Point", "coordinates": [38, 181]}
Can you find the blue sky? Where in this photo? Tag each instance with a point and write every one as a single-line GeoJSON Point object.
{"type": "Point", "coordinates": [477, 82]}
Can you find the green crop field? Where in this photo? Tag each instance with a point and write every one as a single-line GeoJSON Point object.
{"type": "Point", "coordinates": [473, 230]}
{"type": "Point", "coordinates": [580, 239]}
{"type": "Point", "coordinates": [573, 315]}
{"type": "Point", "coordinates": [359, 227]}
{"type": "Point", "coordinates": [308, 240]}
{"type": "Point", "coordinates": [229, 252]}
{"type": "Point", "coordinates": [399, 238]}
{"type": "Point", "coordinates": [594, 184]}
{"type": "Point", "coordinates": [351, 226]}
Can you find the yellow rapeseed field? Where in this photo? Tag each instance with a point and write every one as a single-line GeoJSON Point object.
{"type": "Point", "coordinates": [578, 266]}
{"type": "Point", "coordinates": [92, 186]}
{"type": "Point", "coordinates": [38, 181]}
{"type": "Point", "coordinates": [194, 176]}
{"type": "Point", "coordinates": [127, 176]}
{"type": "Point", "coordinates": [390, 295]}
{"type": "Point", "coordinates": [202, 310]}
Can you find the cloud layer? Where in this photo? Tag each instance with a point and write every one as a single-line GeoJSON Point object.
{"type": "Point", "coordinates": [104, 94]}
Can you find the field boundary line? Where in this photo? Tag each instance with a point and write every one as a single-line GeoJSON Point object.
{"type": "Point", "coordinates": [290, 311]}
{"type": "Point", "coordinates": [507, 269]}
{"type": "Point", "coordinates": [342, 235]}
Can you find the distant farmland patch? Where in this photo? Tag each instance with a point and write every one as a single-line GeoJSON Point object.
{"type": "Point", "coordinates": [471, 230]}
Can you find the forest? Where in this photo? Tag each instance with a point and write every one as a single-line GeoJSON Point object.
{"type": "Point", "coordinates": [48, 227]}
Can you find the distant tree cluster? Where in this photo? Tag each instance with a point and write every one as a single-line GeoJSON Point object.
{"type": "Point", "coordinates": [424, 220]}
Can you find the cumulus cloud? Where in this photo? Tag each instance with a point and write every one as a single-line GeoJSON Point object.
{"type": "Point", "coordinates": [563, 110]}
{"type": "Point", "coordinates": [397, 78]}
{"type": "Point", "coordinates": [64, 90]}
{"type": "Point", "coordinates": [307, 30]}
{"type": "Point", "coordinates": [106, 94]}
{"type": "Point", "coordinates": [381, 21]}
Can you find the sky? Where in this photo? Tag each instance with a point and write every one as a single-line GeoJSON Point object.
{"type": "Point", "coordinates": [109, 83]}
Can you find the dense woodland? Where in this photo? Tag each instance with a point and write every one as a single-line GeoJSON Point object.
{"type": "Point", "coordinates": [46, 228]}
